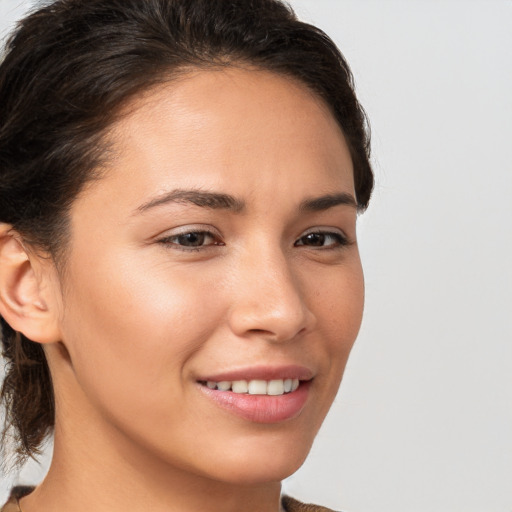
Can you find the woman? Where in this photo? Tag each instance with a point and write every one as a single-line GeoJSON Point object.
{"type": "Point", "coordinates": [180, 285]}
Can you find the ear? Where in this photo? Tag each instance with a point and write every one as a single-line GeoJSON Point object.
{"type": "Point", "coordinates": [28, 286]}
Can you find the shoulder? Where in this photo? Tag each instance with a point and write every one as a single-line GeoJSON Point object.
{"type": "Point", "coordinates": [11, 506]}
{"type": "Point", "coordinates": [291, 505]}
{"type": "Point", "coordinates": [16, 494]}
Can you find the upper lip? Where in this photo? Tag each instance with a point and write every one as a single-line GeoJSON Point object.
{"type": "Point", "coordinates": [291, 371]}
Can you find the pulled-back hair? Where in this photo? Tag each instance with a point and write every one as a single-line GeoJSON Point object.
{"type": "Point", "coordinates": [68, 70]}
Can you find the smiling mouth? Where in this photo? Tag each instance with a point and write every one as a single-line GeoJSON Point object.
{"type": "Point", "coordinates": [273, 387]}
{"type": "Point", "coordinates": [258, 400]}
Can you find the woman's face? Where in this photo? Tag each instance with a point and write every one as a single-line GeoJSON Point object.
{"type": "Point", "coordinates": [218, 251]}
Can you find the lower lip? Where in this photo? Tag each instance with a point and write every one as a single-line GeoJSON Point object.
{"type": "Point", "coordinates": [261, 408]}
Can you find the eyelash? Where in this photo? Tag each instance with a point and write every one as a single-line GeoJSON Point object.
{"type": "Point", "coordinates": [171, 240]}
{"type": "Point", "coordinates": [339, 240]}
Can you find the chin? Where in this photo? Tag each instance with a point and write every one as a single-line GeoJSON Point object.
{"type": "Point", "coordinates": [263, 460]}
{"type": "Point", "coordinates": [264, 471]}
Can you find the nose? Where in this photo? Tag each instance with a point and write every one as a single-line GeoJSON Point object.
{"type": "Point", "coordinates": [268, 300]}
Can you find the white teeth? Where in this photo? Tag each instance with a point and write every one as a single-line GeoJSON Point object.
{"type": "Point", "coordinates": [256, 387]}
{"type": "Point", "coordinates": [224, 385]}
{"type": "Point", "coordinates": [275, 387]}
{"type": "Point", "coordinates": [239, 386]}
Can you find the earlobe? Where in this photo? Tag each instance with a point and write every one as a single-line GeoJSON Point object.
{"type": "Point", "coordinates": [25, 301]}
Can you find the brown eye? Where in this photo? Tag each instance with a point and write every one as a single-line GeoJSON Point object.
{"type": "Point", "coordinates": [191, 240]}
{"type": "Point", "coordinates": [314, 239]}
{"type": "Point", "coordinates": [322, 239]}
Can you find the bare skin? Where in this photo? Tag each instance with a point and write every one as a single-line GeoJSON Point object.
{"type": "Point", "coordinates": [164, 288]}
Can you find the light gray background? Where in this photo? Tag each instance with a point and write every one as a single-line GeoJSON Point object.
{"type": "Point", "coordinates": [423, 421]}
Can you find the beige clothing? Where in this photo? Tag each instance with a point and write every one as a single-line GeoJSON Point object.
{"type": "Point", "coordinates": [289, 504]}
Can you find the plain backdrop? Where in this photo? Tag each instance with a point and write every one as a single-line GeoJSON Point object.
{"type": "Point", "coordinates": [423, 421]}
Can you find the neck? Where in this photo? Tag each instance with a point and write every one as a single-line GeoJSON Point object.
{"type": "Point", "coordinates": [110, 477]}
{"type": "Point", "coordinates": [97, 466]}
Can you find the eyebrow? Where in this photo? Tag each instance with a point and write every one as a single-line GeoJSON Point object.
{"type": "Point", "coordinates": [213, 200]}
{"type": "Point", "coordinates": [220, 201]}
{"type": "Point", "coordinates": [318, 204]}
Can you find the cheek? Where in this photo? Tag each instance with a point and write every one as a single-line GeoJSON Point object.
{"type": "Point", "coordinates": [130, 329]}
{"type": "Point", "coordinates": [339, 303]}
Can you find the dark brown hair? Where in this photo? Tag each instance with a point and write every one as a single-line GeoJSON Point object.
{"type": "Point", "coordinates": [67, 71]}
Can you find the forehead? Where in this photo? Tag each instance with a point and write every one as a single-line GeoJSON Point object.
{"type": "Point", "coordinates": [243, 129]}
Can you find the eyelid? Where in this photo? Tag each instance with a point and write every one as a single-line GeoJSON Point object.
{"type": "Point", "coordinates": [343, 241]}
{"type": "Point", "coordinates": [166, 236]}
{"type": "Point", "coordinates": [325, 230]}
{"type": "Point", "coordinates": [189, 228]}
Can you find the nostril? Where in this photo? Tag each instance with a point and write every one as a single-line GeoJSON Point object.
{"type": "Point", "coordinates": [280, 316]}
{"type": "Point", "coordinates": [259, 331]}
{"type": "Point", "coordinates": [277, 335]}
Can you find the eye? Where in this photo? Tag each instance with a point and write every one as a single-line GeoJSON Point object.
{"type": "Point", "coordinates": [324, 239]}
{"type": "Point", "coordinates": [191, 240]}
